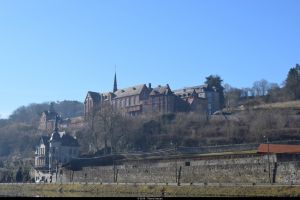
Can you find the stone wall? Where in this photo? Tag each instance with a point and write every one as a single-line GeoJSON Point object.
{"type": "Point", "coordinates": [252, 168]}
{"type": "Point", "coordinates": [288, 172]}
{"type": "Point", "coordinates": [217, 148]}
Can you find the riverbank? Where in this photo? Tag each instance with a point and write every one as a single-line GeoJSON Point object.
{"type": "Point", "coordinates": [111, 190]}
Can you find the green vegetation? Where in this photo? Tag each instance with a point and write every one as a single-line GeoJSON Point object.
{"type": "Point", "coordinates": [98, 190]}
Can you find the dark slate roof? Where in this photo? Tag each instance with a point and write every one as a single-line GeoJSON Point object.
{"type": "Point", "coordinates": [45, 140]}
{"type": "Point", "coordinates": [64, 138]}
{"type": "Point", "coordinates": [55, 136]}
{"type": "Point", "coordinates": [94, 95]}
{"type": "Point", "coordinates": [186, 90]}
{"type": "Point", "coordinates": [161, 90]}
{"type": "Point", "coordinates": [68, 140]}
{"type": "Point", "coordinates": [134, 90]}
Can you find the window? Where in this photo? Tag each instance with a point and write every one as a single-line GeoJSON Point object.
{"type": "Point", "coordinates": [127, 101]}
{"type": "Point", "coordinates": [187, 164]}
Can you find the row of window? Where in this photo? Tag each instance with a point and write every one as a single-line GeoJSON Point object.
{"type": "Point", "coordinates": [39, 161]}
{"type": "Point", "coordinates": [40, 151]}
{"type": "Point", "coordinates": [125, 102]}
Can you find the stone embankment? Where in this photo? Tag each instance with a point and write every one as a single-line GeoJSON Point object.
{"type": "Point", "coordinates": [243, 168]}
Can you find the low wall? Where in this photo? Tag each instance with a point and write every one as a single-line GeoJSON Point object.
{"type": "Point", "coordinates": [252, 168]}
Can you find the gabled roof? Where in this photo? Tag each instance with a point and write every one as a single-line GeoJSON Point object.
{"type": "Point", "coordinates": [134, 90]}
{"type": "Point", "coordinates": [94, 95]}
{"type": "Point", "coordinates": [278, 148]}
{"type": "Point", "coordinates": [68, 140]}
{"type": "Point", "coordinates": [45, 140]}
{"type": "Point", "coordinates": [64, 138]}
{"type": "Point", "coordinates": [162, 90]}
{"type": "Point", "coordinates": [190, 90]}
{"type": "Point", "coordinates": [107, 95]}
{"type": "Point", "coordinates": [55, 136]}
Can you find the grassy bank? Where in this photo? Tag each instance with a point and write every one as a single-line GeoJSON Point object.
{"type": "Point", "coordinates": [97, 190]}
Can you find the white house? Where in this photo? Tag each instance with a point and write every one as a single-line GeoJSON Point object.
{"type": "Point", "coordinates": [53, 152]}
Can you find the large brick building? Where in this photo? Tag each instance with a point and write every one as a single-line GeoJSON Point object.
{"type": "Point", "coordinates": [47, 119]}
{"type": "Point", "coordinates": [142, 99]}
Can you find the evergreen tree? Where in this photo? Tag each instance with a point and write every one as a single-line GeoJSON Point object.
{"type": "Point", "coordinates": [292, 83]}
{"type": "Point", "coordinates": [216, 81]}
{"type": "Point", "coordinates": [19, 175]}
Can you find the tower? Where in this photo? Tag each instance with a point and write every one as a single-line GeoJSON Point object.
{"type": "Point", "coordinates": [115, 83]}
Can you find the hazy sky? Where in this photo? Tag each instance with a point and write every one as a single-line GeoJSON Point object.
{"type": "Point", "coordinates": [59, 49]}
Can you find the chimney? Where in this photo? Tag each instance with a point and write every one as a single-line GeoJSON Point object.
{"type": "Point", "coordinates": [149, 85]}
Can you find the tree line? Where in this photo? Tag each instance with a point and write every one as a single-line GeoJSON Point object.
{"type": "Point", "coordinates": [264, 91]}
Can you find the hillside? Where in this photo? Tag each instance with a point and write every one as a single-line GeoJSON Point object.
{"type": "Point", "coordinates": [19, 134]}
{"type": "Point", "coordinates": [295, 105]}
{"type": "Point", "coordinates": [279, 122]}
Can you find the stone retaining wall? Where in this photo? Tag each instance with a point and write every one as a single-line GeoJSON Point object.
{"type": "Point", "coordinates": [242, 169]}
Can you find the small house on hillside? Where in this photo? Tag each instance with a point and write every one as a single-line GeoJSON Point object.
{"type": "Point", "coordinates": [53, 151]}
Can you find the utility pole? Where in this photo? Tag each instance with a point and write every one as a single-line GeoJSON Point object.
{"type": "Point", "coordinates": [269, 160]}
{"type": "Point", "coordinates": [269, 167]}
{"type": "Point", "coordinates": [176, 170]}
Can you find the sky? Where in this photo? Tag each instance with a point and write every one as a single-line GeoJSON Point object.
{"type": "Point", "coordinates": [55, 50]}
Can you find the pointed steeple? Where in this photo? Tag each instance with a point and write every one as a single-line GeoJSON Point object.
{"type": "Point", "coordinates": [115, 82]}
{"type": "Point", "coordinates": [56, 123]}
{"type": "Point", "coordinates": [55, 135]}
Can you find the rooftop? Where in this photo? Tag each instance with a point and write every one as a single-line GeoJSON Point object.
{"type": "Point", "coordinates": [278, 148]}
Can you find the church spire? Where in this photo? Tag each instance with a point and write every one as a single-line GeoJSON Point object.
{"type": "Point", "coordinates": [56, 123]}
{"type": "Point", "coordinates": [115, 81]}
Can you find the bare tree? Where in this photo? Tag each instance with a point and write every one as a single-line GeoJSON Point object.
{"type": "Point", "coordinates": [91, 119]}
{"type": "Point", "coordinates": [110, 126]}
{"type": "Point", "coordinates": [232, 96]}
{"type": "Point", "coordinates": [261, 87]}
{"type": "Point", "coordinates": [264, 85]}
